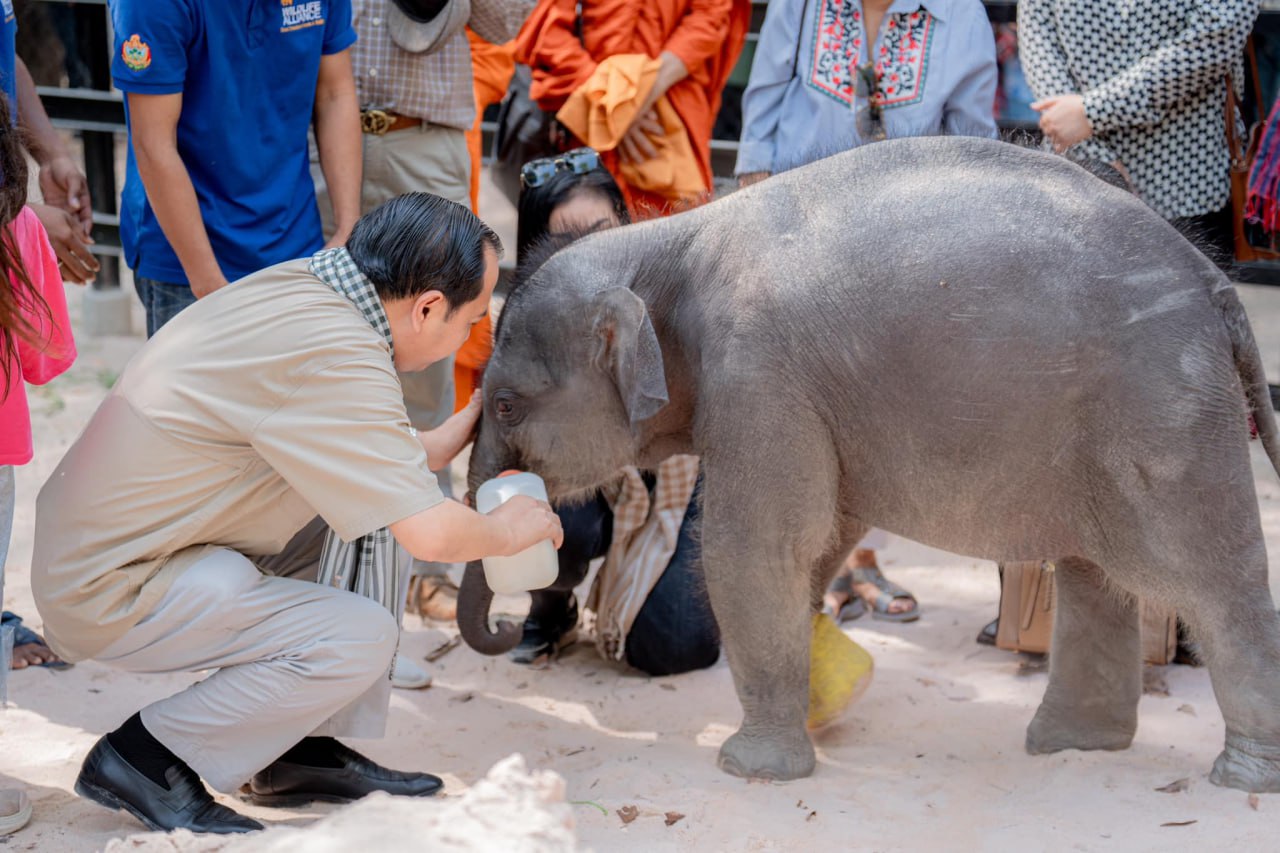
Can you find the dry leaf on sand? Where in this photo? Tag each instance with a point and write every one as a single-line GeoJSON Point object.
{"type": "Point", "coordinates": [628, 814]}
{"type": "Point", "coordinates": [1175, 787]}
{"type": "Point", "coordinates": [1253, 802]}
{"type": "Point", "coordinates": [674, 817]}
{"type": "Point", "coordinates": [443, 649]}
{"type": "Point", "coordinates": [1179, 823]}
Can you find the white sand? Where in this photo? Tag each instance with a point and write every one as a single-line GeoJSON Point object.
{"type": "Point", "coordinates": [931, 757]}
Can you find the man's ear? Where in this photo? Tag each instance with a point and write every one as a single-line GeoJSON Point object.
{"type": "Point", "coordinates": [626, 346]}
{"type": "Point", "coordinates": [425, 303]}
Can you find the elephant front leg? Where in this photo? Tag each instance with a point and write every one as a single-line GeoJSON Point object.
{"type": "Point", "coordinates": [761, 601]}
{"type": "Point", "coordinates": [1095, 666]}
{"type": "Point", "coordinates": [760, 583]}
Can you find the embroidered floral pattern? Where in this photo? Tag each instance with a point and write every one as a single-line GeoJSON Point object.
{"type": "Point", "coordinates": [837, 43]}
{"type": "Point", "coordinates": [901, 58]}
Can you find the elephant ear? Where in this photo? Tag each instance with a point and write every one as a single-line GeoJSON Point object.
{"type": "Point", "coordinates": [627, 348]}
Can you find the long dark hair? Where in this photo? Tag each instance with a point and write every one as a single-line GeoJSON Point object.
{"type": "Point", "coordinates": [20, 304]}
{"type": "Point", "coordinates": [538, 203]}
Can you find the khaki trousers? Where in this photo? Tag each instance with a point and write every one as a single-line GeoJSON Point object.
{"type": "Point", "coordinates": [427, 158]}
{"type": "Point", "coordinates": [293, 658]}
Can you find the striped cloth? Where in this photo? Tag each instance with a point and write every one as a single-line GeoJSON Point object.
{"type": "Point", "coordinates": [368, 566]}
{"type": "Point", "coordinates": [645, 531]}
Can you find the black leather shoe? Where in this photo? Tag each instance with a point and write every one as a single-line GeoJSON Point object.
{"type": "Point", "coordinates": [109, 780]}
{"type": "Point", "coordinates": [547, 637]}
{"type": "Point", "coordinates": [285, 783]}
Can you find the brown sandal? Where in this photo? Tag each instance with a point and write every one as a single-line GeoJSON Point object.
{"type": "Point", "coordinates": [433, 597]}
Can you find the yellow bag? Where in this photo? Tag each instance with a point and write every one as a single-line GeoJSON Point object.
{"type": "Point", "coordinates": [840, 672]}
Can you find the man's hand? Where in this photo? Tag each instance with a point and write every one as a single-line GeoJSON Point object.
{"type": "Point", "coordinates": [637, 146]}
{"type": "Point", "coordinates": [447, 440]}
{"type": "Point", "coordinates": [205, 285]}
{"type": "Point", "coordinates": [70, 242]}
{"type": "Point", "coordinates": [63, 185]}
{"type": "Point", "coordinates": [341, 233]}
{"type": "Point", "coordinates": [1063, 120]}
{"type": "Point", "coordinates": [751, 178]}
{"type": "Point", "coordinates": [527, 522]}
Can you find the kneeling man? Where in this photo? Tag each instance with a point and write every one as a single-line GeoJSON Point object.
{"type": "Point", "coordinates": [183, 529]}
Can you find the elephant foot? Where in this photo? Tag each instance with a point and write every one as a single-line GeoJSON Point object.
{"type": "Point", "coordinates": [1247, 765]}
{"type": "Point", "coordinates": [777, 757]}
{"type": "Point", "coordinates": [1056, 729]}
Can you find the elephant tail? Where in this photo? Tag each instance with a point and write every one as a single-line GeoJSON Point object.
{"type": "Point", "coordinates": [1248, 360]}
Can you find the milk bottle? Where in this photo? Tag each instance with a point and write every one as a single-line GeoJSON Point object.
{"type": "Point", "coordinates": [535, 567]}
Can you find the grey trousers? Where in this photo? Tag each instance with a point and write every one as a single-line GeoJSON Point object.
{"type": "Point", "coordinates": [427, 158]}
{"type": "Point", "coordinates": [292, 659]}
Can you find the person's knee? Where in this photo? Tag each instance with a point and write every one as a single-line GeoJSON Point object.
{"type": "Point", "coordinates": [365, 638]}
{"type": "Point", "coordinates": [673, 655]}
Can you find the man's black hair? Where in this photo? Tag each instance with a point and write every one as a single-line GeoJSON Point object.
{"type": "Point", "coordinates": [418, 242]}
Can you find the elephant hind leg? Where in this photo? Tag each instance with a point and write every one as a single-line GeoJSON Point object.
{"type": "Point", "coordinates": [1232, 615]}
{"type": "Point", "coordinates": [1095, 670]}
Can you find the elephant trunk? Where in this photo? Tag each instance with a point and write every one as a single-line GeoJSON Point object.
{"type": "Point", "coordinates": [474, 600]}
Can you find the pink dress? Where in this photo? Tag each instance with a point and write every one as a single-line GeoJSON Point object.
{"type": "Point", "coordinates": [54, 350]}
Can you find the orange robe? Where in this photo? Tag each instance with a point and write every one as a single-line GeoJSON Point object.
{"type": "Point", "coordinates": [491, 70]}
{"type": "Point", "coordinates": [707, 35]}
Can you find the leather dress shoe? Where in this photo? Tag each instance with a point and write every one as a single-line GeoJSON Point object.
{"type": "Point", "coordinates": [285, 783]}
{"type": "Point", "coordinates": [108, 780]}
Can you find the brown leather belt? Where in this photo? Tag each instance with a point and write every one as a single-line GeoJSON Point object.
{"type": "Point", "coordinates": [379, 122]}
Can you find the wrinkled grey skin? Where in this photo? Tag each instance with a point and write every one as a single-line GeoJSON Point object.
{"type": "Point", "coordinates": [975, 346]}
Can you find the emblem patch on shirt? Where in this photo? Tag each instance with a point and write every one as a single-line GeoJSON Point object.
{"type": "Point", "coordinates": [136, 53]}
{"type": "Point", "coordinates": [901, 58]}
{"type": "Point", "coordinates": [300, 14]}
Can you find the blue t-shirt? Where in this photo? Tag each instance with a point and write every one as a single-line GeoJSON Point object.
{"type": "Point", "coordinates": [247, 71]}
{"type": "Point", "coordinates": [8, 59]}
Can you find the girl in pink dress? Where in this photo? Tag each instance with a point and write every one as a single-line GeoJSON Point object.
{"type": "Point", "coordinates": [35, 346]}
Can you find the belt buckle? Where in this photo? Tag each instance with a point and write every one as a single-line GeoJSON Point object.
{"type": "Point", "coordinates": [377, 122]}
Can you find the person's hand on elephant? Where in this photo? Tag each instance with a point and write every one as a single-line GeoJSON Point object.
{"type": "Point", "coordinates": [1063, 120]}
{"type": "Point", "coordinates": [527, 522]}
{"type": "Point", "coordinates": [447, 440]}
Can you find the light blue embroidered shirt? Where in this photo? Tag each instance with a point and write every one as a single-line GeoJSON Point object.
{"type": "Point", "coordinates": [935, 63]}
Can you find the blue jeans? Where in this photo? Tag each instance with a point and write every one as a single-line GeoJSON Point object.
{"type": "Point", "coordinates": [162, 300]}
{"type": "Point", "coordinates": [675, 630]}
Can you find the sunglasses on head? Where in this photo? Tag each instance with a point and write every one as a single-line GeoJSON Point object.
{"type": "Point", "coordinates": [870, 114]}
{"type": "Point", "coordinates": [579, 161]}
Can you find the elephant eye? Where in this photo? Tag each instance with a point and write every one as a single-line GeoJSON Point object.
{"type": "Point", "coordinates": [506, 407]}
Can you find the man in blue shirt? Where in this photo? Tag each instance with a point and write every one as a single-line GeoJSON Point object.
{"type": "Point", "coordinates": [219, 98]}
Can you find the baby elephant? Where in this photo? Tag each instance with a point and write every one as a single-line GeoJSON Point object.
{"type": "Point", "coordinates": [973, 345]}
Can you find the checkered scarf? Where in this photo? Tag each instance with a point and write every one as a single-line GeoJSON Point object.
{"type": "Point", "coordinates": [645, 532]}
{"type": "Point", "coordinates": [367, 566]}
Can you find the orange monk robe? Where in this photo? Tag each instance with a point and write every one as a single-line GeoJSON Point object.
{"type": "Point", "coordinates": [491, 70]}
{"type": "Point", "coordinates": [707, 35]}
{"type": "Point", "coordinates": [601, 111]}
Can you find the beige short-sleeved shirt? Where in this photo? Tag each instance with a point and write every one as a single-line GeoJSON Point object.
{"type": "Point", "coordinates": [258, 408]}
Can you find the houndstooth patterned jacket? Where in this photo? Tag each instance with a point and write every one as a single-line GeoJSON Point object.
{"type": "Point", "coordinates": [1153, 76]}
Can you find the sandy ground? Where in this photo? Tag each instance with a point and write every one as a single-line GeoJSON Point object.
{"type": "Point", "coordinates": [930, 758]}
